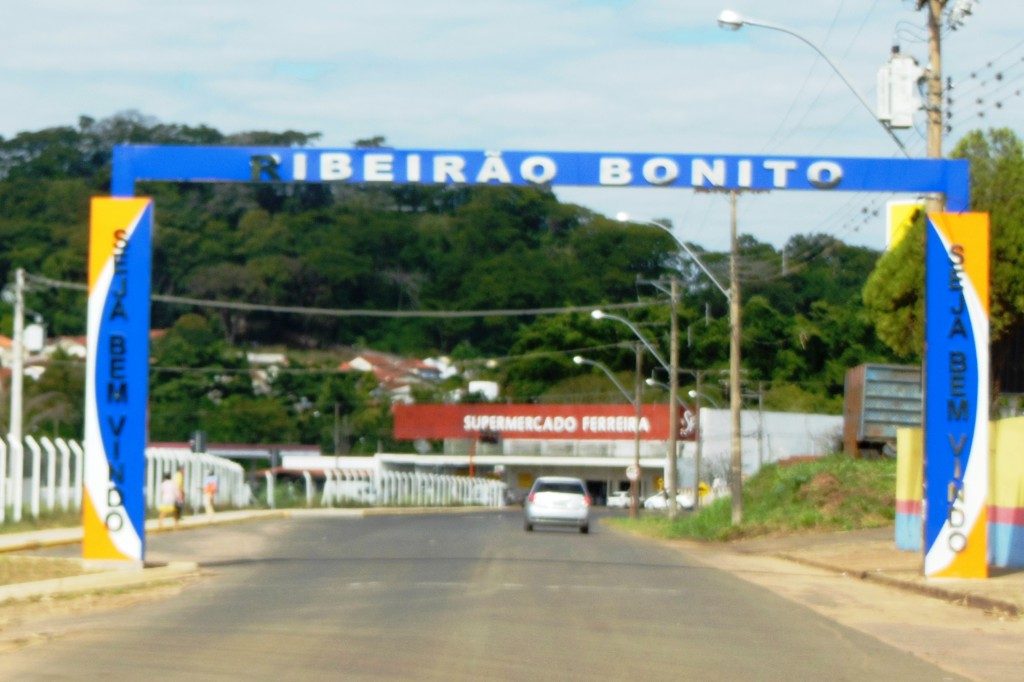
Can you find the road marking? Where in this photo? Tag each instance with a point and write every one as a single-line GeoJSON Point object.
{"type": "Point", "coordinates": [465, 585]}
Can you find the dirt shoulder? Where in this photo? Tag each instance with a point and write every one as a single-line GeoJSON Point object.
{"type": "Point", "coordinates": [23, 569]}
{"type": "Point", "coordinates": [973, 642]}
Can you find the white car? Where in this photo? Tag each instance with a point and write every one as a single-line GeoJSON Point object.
{"type": "Point", "coordinates": [618, 500]}
{"type": "Point", "coordinates": [659, 500]}
{"type": "Point", "coordinates": [557, 501]}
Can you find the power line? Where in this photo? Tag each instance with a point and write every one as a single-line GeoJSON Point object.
{"type": "Point", "coordinates": [356, 312]}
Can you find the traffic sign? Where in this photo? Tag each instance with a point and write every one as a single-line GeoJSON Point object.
{"type": "Point", "coordinates": [633, 472]}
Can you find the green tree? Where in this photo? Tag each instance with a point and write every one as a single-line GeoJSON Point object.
{"type": "Point", "coordinates": [894, 292]}
{"type": "Point", "coordinates": [54, 403]}
{"type": "Point", "coordinates": [193, 370]}
{"type": "Point", "coordinates": [250, 419]}
{"type": "Point", "coordinates": [763, 330]}
{"type": "Point", "coordinates": [894, 295]}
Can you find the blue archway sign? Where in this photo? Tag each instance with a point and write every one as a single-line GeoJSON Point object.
{"type": "Point", "coordinates": [581, 169]}
{"type": "Point", "coordinates": [120, 242]}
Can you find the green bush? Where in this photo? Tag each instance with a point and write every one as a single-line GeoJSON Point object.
{"type": "Point", "coordinates": [831, 493]}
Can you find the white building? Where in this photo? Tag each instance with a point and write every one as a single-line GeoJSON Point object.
{"type": "Point", "coordinates": [766, 437]}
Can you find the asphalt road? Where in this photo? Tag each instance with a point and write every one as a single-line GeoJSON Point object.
{"type": "Point", "coordinates": [469, 596]}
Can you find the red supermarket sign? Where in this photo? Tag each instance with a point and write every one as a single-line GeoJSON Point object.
{"type": "Point", "coordinates": [539, 422]}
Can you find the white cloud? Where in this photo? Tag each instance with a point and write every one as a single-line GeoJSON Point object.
{"type": "Point", "coordinates": [617, 75]}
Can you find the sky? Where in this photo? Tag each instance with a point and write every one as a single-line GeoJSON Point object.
{"type": "Point", "coordinates": [654, 76]}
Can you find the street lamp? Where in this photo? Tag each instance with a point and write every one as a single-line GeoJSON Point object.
{"type": "Point", "coordinates": [734, 21]}
{"type": "Point", "coordinates": [636, 402]}
{"type": "Point", "coordinates": [654, 383]}
{"type": "Point", "coordinates": [14, 435]}
{"type": "Point", "coordinates": [625, 218]}
{"type": "Point", "coordinates": [735, 334]}
{"type": "Point", "coordinates": [673, 412]}
{"type": "Point", "coordinates": [580, 360]}
{"type": "Point", "coordinates": [696, 424]}
{"type": "Point", "coordinates": [602, 315]}
{"type": "Point", "coordinates": [696, 394]}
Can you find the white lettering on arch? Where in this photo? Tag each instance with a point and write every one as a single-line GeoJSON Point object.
{"type": "Point", "coordinates": [378, 168]}
{"type": "Point", "coordinates": [335, 166]}
{"type": "Point", "coordinates": [449, 168]}
{"type": "Point", "coordinates": [660, 171]}
{"type": "Point", "coordinates": [780, 171]}
{"type": "Point", "coordinates": [494, 168]}
{"type": "Point", "coordinates": [538, 169]}
{"type": "Point", "coordinates": [701, 171]}
{"type": "Point", "coordinates": [614, 170]}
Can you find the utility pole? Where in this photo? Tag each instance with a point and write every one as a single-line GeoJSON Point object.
{"type": "Point", "coordinates": [337, 430]}
{"type": "Point", "coordinates": [17, 389]}
{"type": "Point", "coordinates": [760, 425]}
{"type": "Point", "coordinates": [699, 451]}
{"type": "Point", "coordinates": [934, 106]}
{"type": "Point", "coordinates": [735, 336]}
{"type": "Point", "coordinates": [672, 367]}
{"type": "Point", "coordinates": [634, 483]}
{"type": "Point", "coordinates": [673, 403]}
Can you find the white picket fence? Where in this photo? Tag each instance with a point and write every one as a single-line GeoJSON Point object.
{"type": "Point", "coordinates": [397, 489]}
{"type": "Point", "coordinates": [232, 489]}
{"type": "Point", "coordinates": [44, 475]}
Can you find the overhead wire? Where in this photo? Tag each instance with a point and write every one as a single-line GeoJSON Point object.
{"type": "Point", "coordinates": [355, 312]}
{"type": "Point", "coordinates": [817, 97]}
{"type": "Point", "coordinates": [829, 133]}
{"type": "Point", "coordinates": [962, 93]}
{"type": "Point", "coordinates": [863, 208]}
{"type": "Point", "coordinates": [807, 78]}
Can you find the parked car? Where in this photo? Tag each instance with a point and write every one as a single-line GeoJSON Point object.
{"type": "Point", "coordinates": [557, 501]}
{"type": "Point", "coordinates": [619, 499]}
{"type": "Point", "coordinates": [659, 500]}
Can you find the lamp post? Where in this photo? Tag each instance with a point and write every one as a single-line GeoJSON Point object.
{"type": "Point", "coordinates": [17, 388]}
{"type": "Point", "coordinates": [580, 360]}
{"type": "Point", "coordinates": [18, 359]}
{"type": "Point", "coordinates": [636, 401]}
{"type": "Point", "coordinates": [734, 21]}
{"type": "Point", "coordinates": [735, 335]}
{"type": "Point", "coordinates": [698, 395]}
{"type": "Point", "coordinates": [652, 382]}
{"type": "Point", "coordinates": [625, 218]}
{"type": "Point", "coordinates": [673, 411]}
{"type": "Point", "coordinates": [602, 315]}
{"type": "Point", "coordinates": [699, 438]}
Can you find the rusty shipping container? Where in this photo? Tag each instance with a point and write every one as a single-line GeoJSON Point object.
{"type": "Point", "coordinates": [877, 400]}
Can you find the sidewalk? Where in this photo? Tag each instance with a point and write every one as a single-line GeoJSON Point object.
{"type": "Point", "coordinates": [52, 537]}
{"type": "Point", "coordinates": [106, 577]}
{"type": "Point", "coordinates": [872, 555]}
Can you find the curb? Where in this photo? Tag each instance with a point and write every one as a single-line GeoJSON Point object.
{"type": "Point", "coordinates": [98, 582]}
{"type": "Point", "coordinates": [951, 595]}
{"type": "Point", "coordinates": [56, 537]}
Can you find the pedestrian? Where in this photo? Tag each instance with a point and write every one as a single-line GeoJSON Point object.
{"type": "Point", "coordinates": [179, 500]}
{"type": "Point", "coordinates": [168, 498]}
{"type": "Point", "coordinates": [209, 491]}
